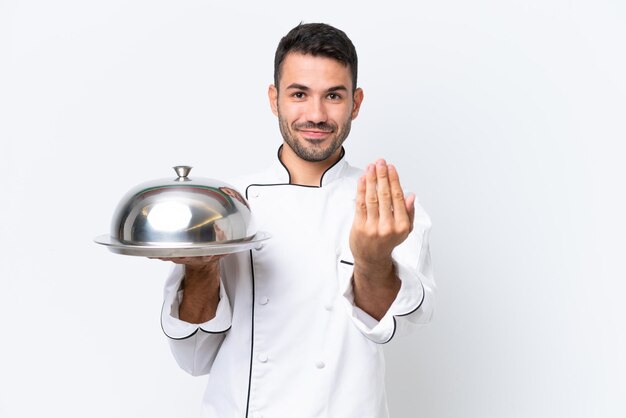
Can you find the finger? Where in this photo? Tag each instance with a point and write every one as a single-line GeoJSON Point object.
{"type": "Point", "coordinates": [179, 260]}
{"type": "Point", "coordinates": [175, 260]}
{"type": "Point", "coordinates": [360, 214]}
{"type": "Point", "coordinates": [163, 258]}
{"type": "Point", "coordinates": [371, 196]}
{"type": "Point", "coordinates": [384, 193]}
{"type": "Point", "coordinates": [397, 196]}
{"type": "Point", "coordinates": [410, 208]}
{"type": "Point", "coordinates": [196, 260]}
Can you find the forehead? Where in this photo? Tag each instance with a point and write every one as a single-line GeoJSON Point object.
{"type": "Point", "coordinates": [313, 71]}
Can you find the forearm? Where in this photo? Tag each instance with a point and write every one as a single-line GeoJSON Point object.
{"type": "Point", "coordinates": [375, 287]}
{"type": "Point", "coordinates": [201, 287]}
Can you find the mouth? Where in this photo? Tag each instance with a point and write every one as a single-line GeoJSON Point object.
{"type": "Point", "coordinates": [314, 135]}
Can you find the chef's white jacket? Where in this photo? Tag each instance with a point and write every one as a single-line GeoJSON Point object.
{"type": "Point", "coordinates": [287, 340]}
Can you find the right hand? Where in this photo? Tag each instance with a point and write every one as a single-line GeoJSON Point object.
{"type": "Point", "coordinates": [198, 261]}
{"type": "Point", "coordinates": [197, 268]}
{"type": "Point", "coordinates": [201, 286]}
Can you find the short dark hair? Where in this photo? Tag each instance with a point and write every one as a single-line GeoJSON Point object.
{"type": "Point", "coordinates": [317, 39]}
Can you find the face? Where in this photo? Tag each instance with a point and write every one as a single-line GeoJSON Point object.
{"type": "Point", "coordinates": [315, 105]}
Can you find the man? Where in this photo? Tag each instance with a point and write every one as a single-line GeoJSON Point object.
{"type": "Point", "coordinates": [294, 328]}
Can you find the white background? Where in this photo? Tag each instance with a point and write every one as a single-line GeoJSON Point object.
{"type": "Point", "coordinates": [507, 118]}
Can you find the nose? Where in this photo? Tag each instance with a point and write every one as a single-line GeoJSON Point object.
{"type": "Point", "coordinates": [316, 111]}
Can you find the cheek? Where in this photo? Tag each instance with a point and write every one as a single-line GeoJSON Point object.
{"type": "Point", "coordinates": [289, 112]}
{"type": "Point", "coordinates": [342, 115]}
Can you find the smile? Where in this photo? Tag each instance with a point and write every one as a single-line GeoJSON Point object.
{"type": "Point", "coordinates": [315, 134]}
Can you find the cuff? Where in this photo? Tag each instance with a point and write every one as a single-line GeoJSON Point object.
{"type": "Point", "coordinates": [177, 329]}
{"type": "Point", "coordinates": [408, 300]}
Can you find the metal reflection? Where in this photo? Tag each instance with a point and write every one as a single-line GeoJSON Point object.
{"type": "Point", "coordinates": [182, 211]}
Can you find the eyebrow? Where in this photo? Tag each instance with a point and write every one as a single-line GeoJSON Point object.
{"type": "Point", "coordinates": [297, 86]}
{"type": "Point", "coordinates": [338, 88]}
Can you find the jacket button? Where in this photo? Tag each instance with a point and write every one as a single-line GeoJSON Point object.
{"type": "Point", "coordinates": [328, 306]}
{"type": "Point", "coordinates": [262, 358]}
{"type": "Point", "coordinates": [260, 247]}
{"type": "Point", "coordinates": [264, 300]}
{"type": "Point", "coordinates": [320, 364]}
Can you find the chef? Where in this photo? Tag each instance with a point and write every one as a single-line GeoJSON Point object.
{"type": "Point", "coordinates": [295, 328]}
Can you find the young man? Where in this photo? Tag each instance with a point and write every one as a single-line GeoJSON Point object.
{"type": "Point", "coordinates": [296, 327]}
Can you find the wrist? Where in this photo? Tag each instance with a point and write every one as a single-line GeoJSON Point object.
{"type": "Point", "coordinates": [375, 286]}
{"type": "Point", "coordinates": [201, 273]}
{"type": "Point", "coordinates": [201, 295]}
{"type": "Point", "coordinates": [374, 271]}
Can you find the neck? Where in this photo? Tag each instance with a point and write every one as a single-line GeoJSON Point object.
{"type": "Point", "coordinates": [306, 173]}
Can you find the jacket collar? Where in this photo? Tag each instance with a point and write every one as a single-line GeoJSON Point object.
{"type": "Point", "coordinates": [332, 173]}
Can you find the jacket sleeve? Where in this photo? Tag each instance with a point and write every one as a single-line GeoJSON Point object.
{"type": "Point", "coordinates": [414, 304]}
{"type": "Point", "coordinates": [194, 346]}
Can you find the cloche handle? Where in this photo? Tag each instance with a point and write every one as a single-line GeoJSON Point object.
{"type": "Point", "coordinates": [183, 172]}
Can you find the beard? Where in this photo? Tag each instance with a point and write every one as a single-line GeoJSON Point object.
{"type": "Point", "coordinates": [311, 151]}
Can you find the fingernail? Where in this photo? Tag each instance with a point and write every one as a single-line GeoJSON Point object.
{"type": "Point", "coordinates": [391, 167]}
{"type": "Point", "coordinates": [380, 162]}
{"type": "Point", "coordinates": [370, 167]}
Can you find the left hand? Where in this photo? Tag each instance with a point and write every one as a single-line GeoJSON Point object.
{"type": "Point", "coordinates": [383, 218]}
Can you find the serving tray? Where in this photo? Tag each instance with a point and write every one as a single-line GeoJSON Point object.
{"type": "Point", "coordinates": [181, 250]}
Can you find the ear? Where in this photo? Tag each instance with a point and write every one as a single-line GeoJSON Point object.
{"type": "Point", "coordinates": [357, 99]}
{"type": "Point", "coordinates": [272, 94]}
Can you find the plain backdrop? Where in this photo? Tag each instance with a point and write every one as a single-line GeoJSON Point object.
{"type": "Point", "coordinates": [506, 118]}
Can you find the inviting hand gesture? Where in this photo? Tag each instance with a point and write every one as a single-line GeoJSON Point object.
{"type": "Point", "coordinates": [383, 219]}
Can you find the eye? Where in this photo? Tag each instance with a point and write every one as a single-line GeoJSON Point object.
{"type": "Point", "coordinates": [334, 96]}
{"type": "Point", "coordinates": [298, 95]}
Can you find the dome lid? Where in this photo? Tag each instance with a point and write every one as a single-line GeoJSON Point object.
{"type": "Point", "coordinates": [182, 216]}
